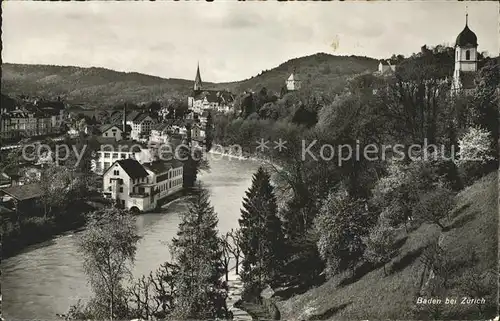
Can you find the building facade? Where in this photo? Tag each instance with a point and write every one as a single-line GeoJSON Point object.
{"type": "Point", "coordinates": [141, 127]}
{"type": "Point", "coordinates": [293, 82]}
{"type": "Point", "coordinates": [141, 187]}
{"type": "Point", "coordinates": [112, 131]}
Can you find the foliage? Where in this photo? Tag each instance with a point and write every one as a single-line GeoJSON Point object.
{"type": "Point", "coordinates": [209, 132]}
{"type": "Point", "coordinates": [434, 205]}
{"type": "Point", "coordinates": [399, 191]}
{"type": "Point", "coordinates": [379, 245]}
{"type": "Point", "coordinates": [61, 187]}
{"type": "Point", "coordinates": [475, 153]}
{"type": "Point", "coordinates": [341, 224]}
{"type": "Point", "coordinates": [198, 253]}
{"type": "Point", "coordinates": [108, 247]}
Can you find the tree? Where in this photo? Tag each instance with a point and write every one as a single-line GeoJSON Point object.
{"type": "Point", "coordinates": [197, 252]}
{"type": "Point", "coordinates": [60, 188]}
{"type": "Point", "coordinates": [154, 295]}
{"type": "Point", "coordinates": [108, 247]}
{"type": "Point", "coordinates": [235, 248]}
{"type": "Point", "coordinates": [341, 224]}
{"type": "Point", "coordinates": [475, 152]}
{"type": "Point", "coordinates": [209, 132]}
{"type": "Point", "coordinates": [226, 253]}
{"type": "Point", "coordinates": [434, 205]}
{"type": "Point", "coordinates": [262, 241]}
{"type": "Point", "coordinates": [379, 245]}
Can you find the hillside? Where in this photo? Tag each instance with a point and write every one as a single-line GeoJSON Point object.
{"type": "Point", "coordinates": [374, 296]}
{"type": "Point", "coordinates": [98, 86]}
{"type": "Point", "coordinates": [93, 86]}
{"type": "Point", "coordinates": [321, 71]}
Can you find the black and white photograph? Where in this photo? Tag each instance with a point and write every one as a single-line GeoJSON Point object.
{"type": "Point", "coordinates": [249, 160]}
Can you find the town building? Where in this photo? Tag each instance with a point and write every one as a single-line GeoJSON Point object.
{"type": "Point", "coordinates": [465, 61]}
{"type": "Point", "coordinates": [385, 68]}
{"type": "Point", "coordinates": [202, 99]}
{"type": "Point", "coordinates": [21, 199]}
{"type": "Point", "coordinates": [293, 82]}
{"type": "Point", "coordinates": [141, 127]}
{"type": "Point", "coordinates": [110, 130]}
{"type": "Point", "coordinates": [112, 150]}
{"type": "Point", "coordinates": [28, 119]}
{"type": "Point", "coordinates": [142, 187]}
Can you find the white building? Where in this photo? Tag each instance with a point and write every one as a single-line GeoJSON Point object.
{"type": "Point", "coordinates": [465, 61]}
{"type": "Point", "coordinates": [139, 187]}
{"type": "Point", "coordinates": [141, 127]}
{"type": "Point", "coordinates": [386, 68]}
{"type": "Point", "coordinates": [161, 134]}
{"type": "Point", "coordinates": [113, 131]}
{"type": "Point", "coordinates": [113, 151]}
{"type": "Point", "coordinates": [293, 82]}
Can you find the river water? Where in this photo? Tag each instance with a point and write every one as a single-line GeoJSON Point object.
{"type": "Point", "coordinates": [47, 278]}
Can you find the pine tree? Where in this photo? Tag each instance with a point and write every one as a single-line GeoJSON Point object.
{"type": "Point", "coordinates": [262, 241]}
{"type": "Point", "coordinates": [198, 253]}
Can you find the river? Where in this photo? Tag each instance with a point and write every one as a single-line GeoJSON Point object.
{"type": "Point", "coordinates": [47, 278]}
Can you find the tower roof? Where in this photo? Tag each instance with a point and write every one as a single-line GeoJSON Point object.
{"type": "Point", "coordinates": [197, 79]}
{"type": "Point", "coordinates": [467, 37]}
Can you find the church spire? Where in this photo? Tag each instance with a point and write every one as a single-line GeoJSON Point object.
{"type": "Point", "coordinates": [466, 15]}
{"type": "Point", "coordinates": [197, 80]}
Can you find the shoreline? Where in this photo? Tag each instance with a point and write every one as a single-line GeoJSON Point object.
{"type": "Point", "coordinates": [51, 229]}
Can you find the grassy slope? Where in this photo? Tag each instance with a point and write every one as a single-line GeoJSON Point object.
{"type": "Point", "coordinates": [474, 225]}
{"type": "Point", "coordinates": [99, 86]}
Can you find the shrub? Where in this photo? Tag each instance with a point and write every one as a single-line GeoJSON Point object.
{"type": "Point", "coordinates": [379, 245]}
{"type": "Point", "coordinates": [341, 223]}
{"type": "Point", "coordinates": [475, 153]}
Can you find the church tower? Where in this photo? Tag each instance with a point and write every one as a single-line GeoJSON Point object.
{"type": "Point", "coordinates": [197, 81]}
{"type": "Point", "coordinates": [465, 59]}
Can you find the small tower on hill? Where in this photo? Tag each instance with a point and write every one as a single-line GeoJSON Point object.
{"type": "Point", "coordinates": [465, 60]}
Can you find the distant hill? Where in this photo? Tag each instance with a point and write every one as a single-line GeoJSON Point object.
{"type": "Point", "coordinates": [91, 86]}
{"type": "Point", "coordinates": [98, 87]}
{"type": "Point", "coordinates": [321, 71]}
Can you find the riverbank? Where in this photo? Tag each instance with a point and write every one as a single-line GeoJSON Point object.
{"type": "Point", "coordinates": [16, 237]}
{"type": "Point", "coordinates": [230, 153]}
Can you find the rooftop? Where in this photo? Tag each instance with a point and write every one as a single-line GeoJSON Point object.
{"type": "Point", "coordinates": [132, 167]}
{"type": "Point", "coordinates": [24, 192]}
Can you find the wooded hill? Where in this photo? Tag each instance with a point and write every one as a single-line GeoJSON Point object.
{"type": "Point", "coordinates": [98, 87]}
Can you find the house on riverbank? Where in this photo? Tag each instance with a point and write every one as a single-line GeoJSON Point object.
{"type": "Point", "coordinates": [21, 198]}
{"type": "Point", "coordinates": [141, 187]}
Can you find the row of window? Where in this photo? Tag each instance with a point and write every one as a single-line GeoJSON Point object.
{"type": "Point", "coordinates": [115, 155]}
{"type": "Point", "coordinates": [176, 172]}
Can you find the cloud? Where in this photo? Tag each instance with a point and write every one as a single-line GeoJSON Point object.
{"type": "Point", "coordinates": [232, 40]}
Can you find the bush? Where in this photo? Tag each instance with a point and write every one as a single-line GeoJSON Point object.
{"type": "Point", "coordinates": [379, 245]}
{"type": "Point", "coordinates": [475, 153]}
{"type": "Point", "coordinates": [341, 223]}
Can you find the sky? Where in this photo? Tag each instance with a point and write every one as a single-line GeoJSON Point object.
{"type": "Point", "coordinates": [230, 40]}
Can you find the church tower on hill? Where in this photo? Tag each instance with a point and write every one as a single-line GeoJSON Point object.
{"type": "Point", "coordinates": [465, 60]}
